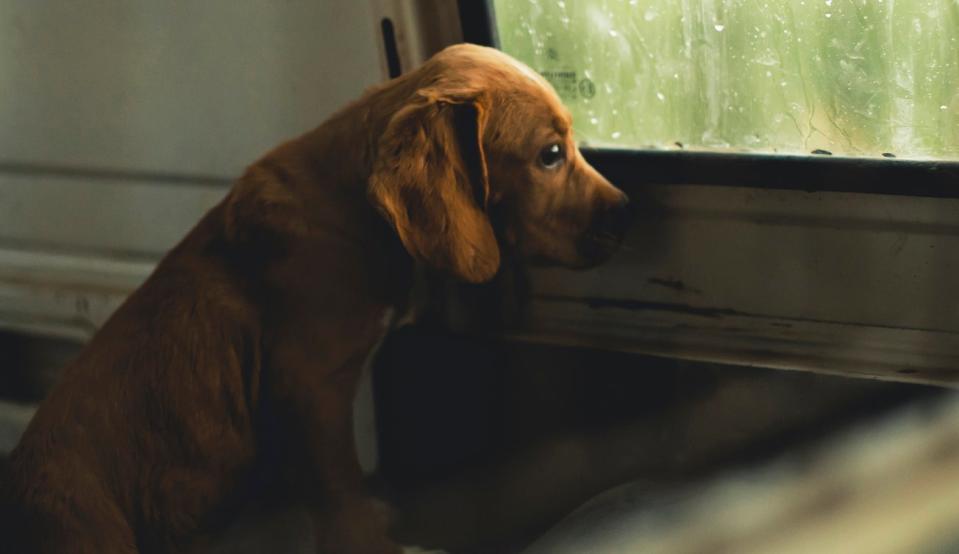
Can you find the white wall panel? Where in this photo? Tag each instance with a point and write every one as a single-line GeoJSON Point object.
{"type": "Point", "coordinates": [121, 123]}
{"type": "Point", "coordinates": [190, 87]}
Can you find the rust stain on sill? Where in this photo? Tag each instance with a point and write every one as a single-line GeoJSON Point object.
{"type": "Point", "coordinates": [672, 283]}
{"type": "Point", "coordinates": [597, 303]}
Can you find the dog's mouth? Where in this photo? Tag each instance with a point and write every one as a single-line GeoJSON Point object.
{"type": "Point", "coordinates": [595, 247]}
{"type": "Point", "coordinates": [605, 234]}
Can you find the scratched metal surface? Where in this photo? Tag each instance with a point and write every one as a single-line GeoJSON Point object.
{"type": "Point", "coordinates": [832, 282]}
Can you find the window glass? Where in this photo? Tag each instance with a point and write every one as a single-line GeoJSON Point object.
{"type": "Point", "coordinates": [848, 77]}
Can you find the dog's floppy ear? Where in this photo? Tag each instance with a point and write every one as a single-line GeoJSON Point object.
{"type": "Point", "coordinates": [430, 181]}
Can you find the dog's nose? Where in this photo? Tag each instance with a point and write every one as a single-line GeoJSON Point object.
{"type": "Point", "coordinates": [614, 220]}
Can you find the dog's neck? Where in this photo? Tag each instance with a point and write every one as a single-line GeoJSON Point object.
{"type": "Point", "coordinates": [342, 150]}
{"type": "Point", "coordinates": [326, 171]}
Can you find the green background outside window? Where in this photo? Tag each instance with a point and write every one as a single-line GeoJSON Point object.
{"type": "Point", "coordinates": [852, 77]}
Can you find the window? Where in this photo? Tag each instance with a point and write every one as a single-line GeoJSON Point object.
{"type": "Point", "coordinates": [864, 78]}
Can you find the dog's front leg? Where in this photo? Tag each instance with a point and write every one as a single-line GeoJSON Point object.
{"type": "Point", "coordinates": [314, 417]}
{"type": "Point", "coordinates": [346, 520]}
{"type": "Point", "coordinates": [353, 524]}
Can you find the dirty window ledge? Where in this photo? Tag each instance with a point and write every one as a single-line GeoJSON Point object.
{"type": "Point", "coordinates": [816, 173]}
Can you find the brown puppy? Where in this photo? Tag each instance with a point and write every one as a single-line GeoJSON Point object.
{"type": "Point", "coordinates": [237, 361]}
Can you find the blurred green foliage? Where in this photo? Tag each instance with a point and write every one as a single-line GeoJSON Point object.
{"type": "Point", "coordinates": [853, 77]}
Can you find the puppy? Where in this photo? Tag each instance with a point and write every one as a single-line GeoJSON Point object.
{"type": "Point", "coordinates": [233, 367]}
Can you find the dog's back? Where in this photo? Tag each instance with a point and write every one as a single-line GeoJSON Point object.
{"type": "Point", "coordinates": [140, 437]}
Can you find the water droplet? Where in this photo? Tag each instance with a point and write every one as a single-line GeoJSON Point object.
{"type": "Point", "coordinates": [594, 120]}
{"type": "Point", "coordinates": [719, 27]}
{"type": "Point", "coordinates": [943, 107]}
{"type": "Point", "coordinates": [828, 2]}
{"type": "Point", "coordinates": [661, 96]}
{"type": "Point", "coordinates": [613, 33]}
{"type": "Point", "coordinates": [616, 134]}
{"type": "Point", "coordinates": [650, 14]}
{"type": "Point", "coordinates": [828, 15]}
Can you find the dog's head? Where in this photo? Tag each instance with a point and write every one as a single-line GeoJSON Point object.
{"type": "Point", "coordinates": [481, 155]}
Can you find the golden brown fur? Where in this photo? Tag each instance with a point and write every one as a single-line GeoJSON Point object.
{"type": "Point", "coordinates": [236, 362]}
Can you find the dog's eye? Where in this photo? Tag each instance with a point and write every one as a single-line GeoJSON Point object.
{"type": "Point", "coordinates": [552, 156]}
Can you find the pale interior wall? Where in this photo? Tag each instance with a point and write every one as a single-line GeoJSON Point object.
{"type": "Point", "coordinates": [184, 87]}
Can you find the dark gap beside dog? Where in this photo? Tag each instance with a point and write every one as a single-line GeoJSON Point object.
{"type": "Point", "coordinates": [485, 444]}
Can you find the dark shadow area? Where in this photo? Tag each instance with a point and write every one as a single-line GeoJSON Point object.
{"type": "Point", "coordinates": [486, 444]}
{"type": "Point", "coordinates": [30, 364]}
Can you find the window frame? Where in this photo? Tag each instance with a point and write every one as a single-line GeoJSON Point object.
{"type": "Point", "coordinates": [800, 172]}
